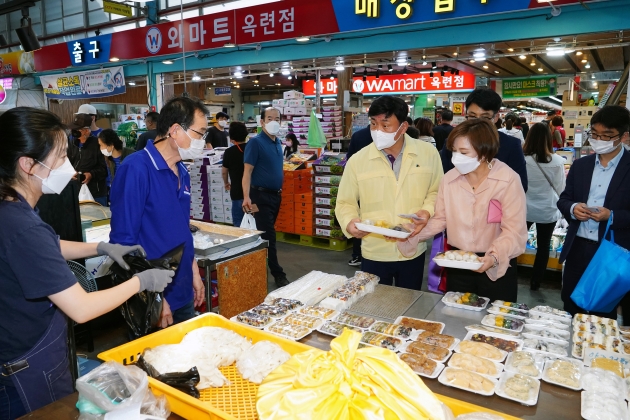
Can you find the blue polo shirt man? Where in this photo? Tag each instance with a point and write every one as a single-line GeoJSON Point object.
{"type": "Point", "coordinates": [262, 184]}
{"type": "Point", "coordinates": [151, 202]}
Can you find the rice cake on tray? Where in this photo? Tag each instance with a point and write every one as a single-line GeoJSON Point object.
{"type": "Point", "coordinates": [420, 324]}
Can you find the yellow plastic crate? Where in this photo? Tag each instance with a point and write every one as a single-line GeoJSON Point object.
{"type": "Point", "coordinates": [234, 402]}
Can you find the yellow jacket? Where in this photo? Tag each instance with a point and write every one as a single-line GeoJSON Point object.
{"type": "Point", "coordinates": [369, 190]}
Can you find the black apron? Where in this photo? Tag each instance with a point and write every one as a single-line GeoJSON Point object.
{"type": "Point", "coordinates": [42, 375]}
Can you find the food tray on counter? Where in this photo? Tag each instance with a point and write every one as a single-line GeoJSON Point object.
{"type": "Point", "coordinates": [538, 362]}
{"type": "Point", "coordinates": [439, 367]}
{"type": "Point", "coordinates": [267, 319]}
{"type": "Point", "coordinates": [490, 321]}
{"type": "Point", "coordinates": [456, 357]}
{"type": "Point", "coordinates": [435, 326]}
{"type": "Point", "coordinates": [532, 394]}
{"type": "Point", "coordinates": [448, 295]}
{"type": "Point", "coordinates": [483, 329]}
{"type": "Point", "coordinates": [577, 377]}
{"type": "Point", "coordinates": [237, 401]}
{"type": "Point", "coordinates": [511, 312]}
{"type": "Point", "coordinates": [447, 353]}
{"type": "Point", "coordinates": [444, 381]}
{"type": "Point", "coordinates": [329, 326]}
{"type": "Point", "coordinates": [382, 231]}
{"type": "Point", "coordinates": [551, 313]}
{"type": "Point", "coordinates": [283, 329]}
{"type": "Point", "coordinates": [504, 354]}
{"type": "Point", "coordinates": [518, 341]}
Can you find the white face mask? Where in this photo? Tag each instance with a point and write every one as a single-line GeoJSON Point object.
{"type": "Point", "coordinates": [384, 140]}
{"type": "Point", "coordinates": [106, 152]}
{"type": "Point", "coordinates": [602, 147]}
{"type": "Point", "coordinates": [57, 178]}
{"type": "Point", "coordinates": [464, 164]}
{"type": "Point", "coordinates": [223, 123]}
{"type": "Point", "coordinates": [194, 151]}
{"type": "Point", "coordinates": [627, 147]}
{"type": "Point", "coordinates": [272, 128]}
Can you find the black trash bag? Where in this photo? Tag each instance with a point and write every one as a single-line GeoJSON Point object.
{"type": "Point", "coordinates": [182, 381]}
{"type": "Point", "coordinates": [142, 311]}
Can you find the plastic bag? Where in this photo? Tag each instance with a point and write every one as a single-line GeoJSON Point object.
{"type": "Point", "coordinates": [112, 387]}
{"type": "Point", "coordinates": [85, 194]}
{"type": "Point", "coordinates": [182, 381]}
{"type": "Point", "coordinates": [248, 222]}
{"type": "Point", "coordinates": [142, 311]}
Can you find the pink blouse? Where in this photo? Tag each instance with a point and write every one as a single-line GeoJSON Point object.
{"type": "Point", "coordinates": [469, 224]}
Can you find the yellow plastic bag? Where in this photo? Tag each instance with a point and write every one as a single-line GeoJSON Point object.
{"type": "Point", "coordinates": [346, 383]}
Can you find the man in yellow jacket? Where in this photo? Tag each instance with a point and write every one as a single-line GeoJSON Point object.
{"type": "Point", "coordinates": [394, 175]}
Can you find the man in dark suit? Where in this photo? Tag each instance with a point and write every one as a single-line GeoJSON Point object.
{"type": "Point", "coordinates": [441, 132]}
{"type": "Point", "coordinates": [596, 186]}
{"type": "Point", "coordinates": [485, 103]}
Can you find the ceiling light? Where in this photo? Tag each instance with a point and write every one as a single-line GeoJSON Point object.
{"type": "Point", "coordinates": [455, 53]}
{"type": "Point", "coordinates": [131, 83]}
{"type": "Point", "coordinates": [540, 69]}
{"type": "Point", "coordinates": [593, 76]}
{"type": "Point", "coordinates": [257, 79]}
{"type": "Point", "coordinates": [339, 67]}
{"type": "Point", "coordinates": [434, 65]}
{"type": "Point", "coordinates": [584, 60]}
{"type": "Point", "coordinates": [511, 49]}
{"type": "Point", "coordinates": [579, 53]}
{"type": "Point", "coordinates": [229, 45]}
{"type": "Point", "coordinates": [238, 74]}
{"type": "Point", "coordinates": [332, 76]}
{"type": "Point", "coordinates": [167, 62]}
{"type": "Point", "coordinates": [286, 72]}
{"type": "Point", "coordinates": [270, 74]}
{"type": "Point", "coordinates": [424, 63]}
{"type": "Point", "coordinates": [522, 57]}
{"type": "Point", "coordinates": [479, 53]}
{"type": "Point", "coordinates": [496, 71]}
{"type": "Point", "coordinates": [114, 59]}
{"type": "Point", "coordinates": [196, 78]}
{"type": "Point", "coordinates": [587, 66]}
{"type": "Point", "coordinates": [472, 61]}
{"type": "Point", "coordinates": [485, 66]}
{"type": "Point", "coordinates": [303, 39]}
{"type": "Point", "coordinates": [389, 67]}
{"type": "Point", "coordinates": [290, 77]}
{"type": "Point", "coordinates": [533, 63]}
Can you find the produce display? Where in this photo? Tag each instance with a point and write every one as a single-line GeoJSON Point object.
{"type": "Point", "coordinates": [254, 319]}
{"type": "Point", "coordinates": [419, 363]}
{"type": "Point", "coordinates": [542, 345]}
{"type": "Point", "coordinates": [271, 310]}
{"type": "Point", "coordinates": [288, 329]}
{"type": "Point", "coordinates": [391, 329]}
{"type": "Point", "coordinates": [290, 304]}
{"type": "Point", "coordinates": [473, 364]}
{"type": "Point", "coordinates": [469, 299]}
{"type": "Point", "coordinates": [433, 339]}
{"type": "Point", "coordinates": [304, 320]}
{"type": "Point", "coordinates": [432, 352]}
{"type": "Point", "coordinates": [336, 328]}
{"type": "Point", "coordinates": [520, 387]}
{"type": "Point", "coordinates": [318, 312]}
{"type": "Point", "coordinates": [459, 255]}
{"type": "Point", "coordinates": [564, 373]}
{"type": "Point", "coordinates": [419, 324]}
{"type": "Point", "coordinates": [356, 320]}
{"type": "Point", "coordinates": [500, 343]}
{"type": "Point", "coordinates": [481, 350]}
{"type": "Point", "coordinates": [467, 380]}
{"type": "Point", "coordinates": [523, 362]}
{"type": "Point", "coordinates": [514, 305]}
{"type": "Point", "coordinates": [380, 340]}
{"type": "Point", "coordinates": [502, 322]}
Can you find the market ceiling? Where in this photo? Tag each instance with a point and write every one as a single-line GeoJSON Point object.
{"type": "Point", "coordinates": [592, 53]}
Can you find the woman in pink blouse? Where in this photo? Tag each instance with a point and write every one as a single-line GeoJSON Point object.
{"type": "Point", "coordinates": [481, 204]}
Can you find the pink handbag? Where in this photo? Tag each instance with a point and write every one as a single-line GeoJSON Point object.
{"type": "Point", "coordinates": [495, 212]}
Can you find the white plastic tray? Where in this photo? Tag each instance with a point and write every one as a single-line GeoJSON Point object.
{"type": "Point", "coordinates": [540, 364]}
{"type": "Point", "coordinates": [548, 364]}
{"type": "Point", "coordinates": [330, 318]}
{"type": "Point", "coordinates": [503, 353]}
{"type": "Point", "coordinates": [399, 321]}
{"type": "Point", "coordinates": [413, 336]}
{"type": "Point", "coordinates": [333, 335]}
{"type": "Point", "coordinates": [500, 305]}
{"type": "Point", "coordinates": [495, 311]}
{"type": "Point", "coordinates": [451, 347]}
{"type": "Point", "coordinates": [518, 341]}
{"type": "Point", "coordinates": [593, 377]}
{"type": "Point", "coordinates": [288, 337]}
{"type": "Point", "coordinates": [443, 381]}
{"type": "Point", "coordinates": [487, 323]}
{"type": "Point", "coordinates": [396, 349]}
{"type": "Point", "coordinates": [403, 349]}
{"type": "Point", "coordinates": [563, 343]}
{"type": "Point", "coordinates": [464, 265]}
{"type": "Point", "coordinates": [438, 369]}
{"type": "Point", "coordinates": [234, 319]}
{"type": "Point", "coordinates": [382, 231]}
{"type": "Point", "coordinates": [533, 327]}
{"type": "Point", "coordinates": [546, 322]}
{"type": "Point", "coordinates": [499, 367]}
{"type": "Point", "coordinates": [565, 319]}
{"type": "Point", "coordinates": [623, 407]}
{"type": "Point", "coordinates": [318, 322]}
{"type": "Point", "coordinates": [478, 328]}
{"type": "Point", "coordinates": [533, 393]}
{"type": "Point", "coordinates": [467, 307]}
{"type": "Point", "coordinates": [548, 353]}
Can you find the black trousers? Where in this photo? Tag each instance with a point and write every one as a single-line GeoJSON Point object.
{"type": "Point", "coordinates": [356, 248]}
{"type": "Point", "coordinates": [407, 274]}
{"type": "Point", "coordinates": [505, 288]}
{"type": "Point", "coordinates": [269, 207]}
{"type": "Point", "coordinates": [580, 256]}
{"type": "Point", "coordinates": [544, 232]}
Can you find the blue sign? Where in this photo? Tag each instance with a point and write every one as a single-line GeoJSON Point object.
{"type": "Point", "coordinates": [90, 51]}
{"type": "Point", "coordinates": [222, 91]}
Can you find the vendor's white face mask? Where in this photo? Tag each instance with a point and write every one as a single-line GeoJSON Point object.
{"type": "Point", "coordinates": [194, 151]}
{"type": "Point", "coordinates": [58, 178]}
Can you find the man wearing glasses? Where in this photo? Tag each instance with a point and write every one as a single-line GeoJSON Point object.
{"type": "Point", "coordinates": [596, 185]}
{"type": "Point", "coordinates": [262, 184]}
{"type": "Point", "coordinates": [151, 201]}
{"type": "Point", "coordinates": [485, 103]}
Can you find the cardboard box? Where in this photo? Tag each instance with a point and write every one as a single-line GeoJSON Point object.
{"type": "Point", "coordinates": [289, 111]}
{"type": "Point", "coordinates": [304, 230]}
{"type": "Point", "coordinates": [227, 209]}
{"type": "Point", "coordinates": [280, 103]}
{"type": "Point", "coordinates": [327, 222]}
{"type": "Point", "coordinates": [304, 198]}
{"type": "Point", "coordinates": [297, 103]}
{"type": "Point", "coordinates": [199, 200]}
{"type": "Point", "coordinates": [216, 189]}
{"type": "Point", "coordinates": [216, 208]}
{"type": "Point", "coordinates": [300, 111]}
{"type": "Point", "coordinates": [216, 199]}
{"type": "Point", "coordinates": [305, 214]}
{"type": "Point", "coordinates": [214, 170]}
{"type": "Point", "coordinates": [319, 211]}
{"type": "Point", "coordinates": [293, 94]}
{"type": "Point", "coordinates": [218, 217]}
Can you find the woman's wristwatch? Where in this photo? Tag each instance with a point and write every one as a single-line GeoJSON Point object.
{"type": "Point", "coordinates": [496, 260]}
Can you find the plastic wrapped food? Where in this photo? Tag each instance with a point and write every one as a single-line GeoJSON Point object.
{"type": "Point", "coordinates": [271, 310]}
{"type": "Point", "coordinates": [260, 360]}
{"type": "Point", "coordinates": [582, 340]}
{"type": "Point", "coordinates": [602, 406]}
{"type": "Point", "coordinates": [334, 304]}
{"type": "Point", "coordinates": [473, 364]}
{"type": "Point", "coordinates": [515, 305]}
{"type": "Point", "coordinates": [318, 311]}
{"type": "Point", "coordinates": [600, 380]}
{"type": "Point", "coordinates": [304, 320]}
{"type": "Point", "coordinates": [523, 362]}
{"type": "Point", "coordinates": [507, 311]}
{"type": "Point", "coordinates": [356, 320]}
{"type": "Point", "coordinates": [419, 324]}
{"type": "Point", "coordinates": [458, 255]}
{"type": "Point", "coordinates": [419, 363]}
{"type": "Point", "coordinates": [520, 387]}
{"type": "Point", "coordinates": [391, 329]}
{"type": "Point", "coordinates": [432, 352]}
{"type": "Point", "coordinates": [380, 340]}
{"type": "Point", "coordinates": [309, 289]}
{"type": "Point", "coordinates": [501, 321]}
{"type": "Point", "coordinates": [598, 327]}
{"type": "Point", "coordinates": [541, 345]}
{"type": "Point", "coordinates": [547, 334]}
{"type": "Point", "coordinates": [336, 328]}
{"type": "Point", "coordinates": [552, 311]}
{"type": "Point", "coordinates": [253, 319]}
{"type": "Point", "coordinates": [494, 330]}
{"type": "Point", "coordinates": [433, 339]}
{"type": "Point", "coordinates": [469, 299]}
{"type": "Point", "coordinates": [607, 364]}
{"type": "Point", "coordinates": [481, 350]}
{"type": "Point", "coordinates": [544, 321]}
{"type": "Point", "coordinates": [467, 380]}
{"type": "Point", "coordinates": [500, 343]}
{"type": "Point", "coordinates": [289, 330]}
{"type": "Point", "coordinates": [563, 373]}
{"type": "Point", "coordinates": [290, 304]}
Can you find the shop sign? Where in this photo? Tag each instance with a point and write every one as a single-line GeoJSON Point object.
{"type": "Point", "coordinates": [531, 87]}
{"type": "Point", "coordinates": [85, 85]}
{"type": "Point", "coordinates": [17, 63]}
{"type": "Point", "coordinates": [90, 51]}
{"type": "Point", "coordinates": [397, 84]}
{"type": "Point", "coordinates": [222, 91]}
{"type": "Point", "coordinates": [3, 95]}
{"type": "Point", "coordinates": [117, 8]}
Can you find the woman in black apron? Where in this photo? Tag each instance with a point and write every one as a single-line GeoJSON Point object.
{"type": "Point", "coordinates": [37, 289]}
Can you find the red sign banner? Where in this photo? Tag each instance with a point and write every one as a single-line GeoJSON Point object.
{"type": "Point", "coordinates": [398, 84]}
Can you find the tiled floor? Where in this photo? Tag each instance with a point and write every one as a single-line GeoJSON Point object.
{"type": "Point", "coordinates": [298, 261]}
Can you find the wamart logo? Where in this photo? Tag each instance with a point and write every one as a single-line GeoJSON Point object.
{"type": "Point", "coordinates": [153, 40]}
{"type": "Point", "coordinates": [358, 86]}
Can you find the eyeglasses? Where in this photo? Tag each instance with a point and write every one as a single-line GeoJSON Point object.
{"type": "Point", "coordinates": [481, 117]}
{"type": "Point", "coordinates": [203, 135]}
{"type": "Point", "coordinates": [590, 135]}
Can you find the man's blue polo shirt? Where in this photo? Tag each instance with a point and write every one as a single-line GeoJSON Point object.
{"type": "Point", "coordinates": [150, 209]}
{"type": "Point", "coordinates": [266, 156]}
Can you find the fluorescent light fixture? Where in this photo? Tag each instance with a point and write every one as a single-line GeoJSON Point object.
{"type": "Point", "coordinates": [472, 61]}
{"type": "Point", "coordinates": [238, 74]}
{"type": "Point", "coordinates": [303, 39]}
{"type": "Point", "coordinates": [424, 63]}
{"type": "Point", "coordinates": [167, 62]}
{"type": "Point", "coordinates": [290, 77]}
{"type": "Point", "coordinates": [270, 74]}
{"type": "Point", "coordinates": [114, 59]}
{"type": "Point", "coordinates": [511, 49]}
{"type": "Point", "coordinates": [584, 60]}
{"type": "Point", "coordinates": [286, 72]}
{"type": "Point", "coordinates": [555, 99]}
{"type": "Point", "coordinates": [265, 103]}
{"type": "Point", "coordinates": [479, 53]}
{"type": "Point", "coordinates": [131, 83]}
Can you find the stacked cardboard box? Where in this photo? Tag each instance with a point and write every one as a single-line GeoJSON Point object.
{"type": "Point", "coordinates": [296, 211]}
{"type": "Point", "coordinates": [200, 207]}
{"type": "Point", "coordinates": [332, 121]}
{"type": "Point", "coordinates": [293, 103]}
{"type": "Point", "coordinates": [328, 171]}
{"type": "Point", "coordinates": [220, 200]}
{"type": "Point", "coordinates": [285, 221]}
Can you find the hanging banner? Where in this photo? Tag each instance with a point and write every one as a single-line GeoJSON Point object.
{"type": "Point", "coordinates": [117, 8]}
{"type": "Point", "coordinates": [85, 85]}
{"type": "Point", "coordinates": [17, 63]}
{"type": "Point", "coordinates": [398, 84]}
{"type": "Point", "coordinates": [530, 87]}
